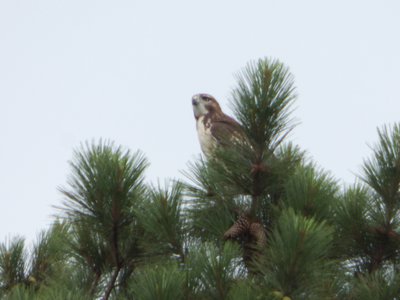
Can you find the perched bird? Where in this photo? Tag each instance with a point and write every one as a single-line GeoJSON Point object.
{"type": "Point", "coordinates": [214, 128]}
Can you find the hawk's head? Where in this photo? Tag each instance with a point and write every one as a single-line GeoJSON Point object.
{"type": "Point", "coordinates": [204, 104]}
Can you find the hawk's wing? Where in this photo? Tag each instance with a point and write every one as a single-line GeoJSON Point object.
{"type": "Point", "coordinates": [227, 131]}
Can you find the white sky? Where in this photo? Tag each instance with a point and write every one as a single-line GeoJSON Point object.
{"type": "Point", "coordinates": [72, 71]}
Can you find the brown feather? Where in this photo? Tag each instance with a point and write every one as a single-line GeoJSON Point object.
{"type": "Point", "coordinates": [224, 128]}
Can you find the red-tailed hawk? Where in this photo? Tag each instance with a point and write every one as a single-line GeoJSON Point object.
{"type": "Point", "coordinates": [213, 126]}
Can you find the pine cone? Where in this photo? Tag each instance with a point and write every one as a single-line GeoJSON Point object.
{"type": "Point", "coordinates": [254, 232]}
{"type": "Point", "coordinates": [257, 232]}
{"type": "Point", "coordinates": [239, 228]}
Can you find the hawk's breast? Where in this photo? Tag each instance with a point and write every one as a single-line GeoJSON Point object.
{"type": "Point", "coordinates": [206, 139]}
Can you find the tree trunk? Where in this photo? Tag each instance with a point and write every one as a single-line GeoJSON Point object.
{"type": "Point", "coordinates": [111, 284]}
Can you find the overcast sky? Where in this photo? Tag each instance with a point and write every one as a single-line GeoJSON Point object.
{"type": "Point", "coordinates": [72, 71]}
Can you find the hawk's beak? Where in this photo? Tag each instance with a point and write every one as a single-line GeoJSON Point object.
{"type": "Point", "coordinates": [194, 101]}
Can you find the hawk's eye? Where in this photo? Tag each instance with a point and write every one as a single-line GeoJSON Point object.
{"type": "Point", "coordinates": [207, 99]}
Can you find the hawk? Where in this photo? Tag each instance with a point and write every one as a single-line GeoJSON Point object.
{"type": "Point", "coordinates": [214, 128]}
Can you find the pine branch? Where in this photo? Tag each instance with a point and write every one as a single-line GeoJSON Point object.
{"type": "Point", "coordinates": [12, 263]}
{"type": "Point", "coordinates": [296, 261]}
{"type": "Point", "coordinates": [163, 220]}
{"type": "Point", "coordinates": [262, 103]}
{"type": "Point", "coordinates": [105, 187]}
{"type": "Point", "coordinates": [382, 171]}
{"type": "Point", "coordinates": [213, 270]}
{"type": "Point", "coordinates": [311, 192]}
{"type": "Point", "coordinates": [111, 283]}
{"type": "Point", "coordinates": [164, 281]}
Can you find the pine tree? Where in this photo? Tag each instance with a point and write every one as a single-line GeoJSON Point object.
{"type": "Point", "coordinates": [260, 220]}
